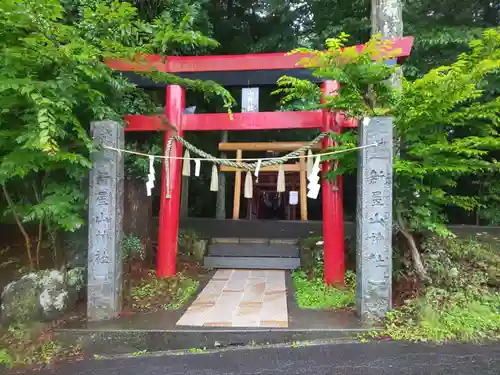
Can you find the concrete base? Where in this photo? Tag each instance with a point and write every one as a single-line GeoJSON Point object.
{"type": "Point", "coordinates": [109, 342]}
{"type": "Point", "coordinates": [158, 331]}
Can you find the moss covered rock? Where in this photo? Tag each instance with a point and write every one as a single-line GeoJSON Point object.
{"type": "Point", "coordinates": [43, 295]}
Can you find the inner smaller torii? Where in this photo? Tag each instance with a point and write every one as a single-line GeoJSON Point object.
{"type": "Point", "coordinates": [296, 179]}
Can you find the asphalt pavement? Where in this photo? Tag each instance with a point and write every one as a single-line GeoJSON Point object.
{"type": "Point", "coordinates": [375, 358]}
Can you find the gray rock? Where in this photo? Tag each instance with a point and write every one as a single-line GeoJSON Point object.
{"type": "Point", "coordinates": [20, 300]}
{"type": "Point", "coordinates": [199, 249]}
{"type": "Point", "coordinates": [43, 295]}
{"type": "Point", "coordinates": [192, 246]}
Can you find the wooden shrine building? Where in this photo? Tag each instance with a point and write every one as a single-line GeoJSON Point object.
{"type": "Point", "coordinates": [266, 202]}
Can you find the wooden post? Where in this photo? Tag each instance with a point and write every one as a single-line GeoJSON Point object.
{"type": "Point", "coordinates": [303, 187]}
{"type": "Point", "coordinates": [220, 203]}
{"type": "Point", "coordinates": [237, 189]}
{"type": "Point", "coordinates": [249, 208]}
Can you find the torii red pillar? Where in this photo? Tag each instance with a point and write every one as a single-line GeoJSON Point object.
{"type": "Point", "coordinates": [333, 210]}
{"type": "Point", "coordinates": [169, 207]}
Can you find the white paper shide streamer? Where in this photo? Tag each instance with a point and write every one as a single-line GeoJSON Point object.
{"type": "Point", "coordinates": [186, 164]}
{"type": "Point", "coordinates": [214, 180]}
{"type": "Point", "coordinates": [281, 185]}
{"type": "Point", "coordinates": [314, 186]}
{"type": "Point", "coordinates": [197, 167]}
{"type": "Point", "coordinates": [248, 190]}
{"type": "Point", "coordinates": [310, 162]}
{"type": "Point", "coordinates": [257, 169]}
{"type": "Point", "coordinates": [150, 184]}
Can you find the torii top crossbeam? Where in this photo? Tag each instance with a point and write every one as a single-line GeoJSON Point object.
{"type": "Point", "coordinates": [232, 70]}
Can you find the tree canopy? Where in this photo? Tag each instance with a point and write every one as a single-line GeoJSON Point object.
{"type": "Point", "coordinates": [54, 82]}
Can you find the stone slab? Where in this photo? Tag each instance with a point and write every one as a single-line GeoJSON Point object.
{"type": "Point", "coordinates": [242, 303]}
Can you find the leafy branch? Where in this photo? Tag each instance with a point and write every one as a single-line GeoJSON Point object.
{"type": "Point", "coordinates": [362, 74]}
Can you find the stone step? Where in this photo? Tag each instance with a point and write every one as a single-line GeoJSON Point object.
{"type": "Point", "coordinates": [254, 250]}
{"type": "Point", "coordinates": [252, 263]}
{"type": "Point", "coordinates": [236, 240]}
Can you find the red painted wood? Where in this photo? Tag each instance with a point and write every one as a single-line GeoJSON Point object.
{"type": "Point", "coordinates": [222, 121]}
{"type": "Point", "coordinates": [241, 121]}
{"type": "Point", "coordinates": [143, 63]}
{"type": "Point", "coordinates": [346, 122]}
{"type": "Point", "coordinates": [170, 207]}
{"type": "Point", "coordinates": [333, 211]}
{"type": "Point", "coordinates": [262, 61]}
{"type": "Point", "coordinates": [253, 121]}
{"type": "Point", "coordinates": [141, 123]}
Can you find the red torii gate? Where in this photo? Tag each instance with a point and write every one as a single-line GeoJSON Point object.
{"type": "Point", "coordinates": [333, 215]}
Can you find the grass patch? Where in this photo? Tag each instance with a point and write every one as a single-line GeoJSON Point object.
{"type": "Point", "coordinates": [27, 345]}
{"type": "Point", "coordinates": [464, 317]}
{"type": "Point", "coordinates": [315, 294]}
{"type": "Point", "coordinates": [462, 303]}
{"type": "Point", "coordinates": [154, 294]}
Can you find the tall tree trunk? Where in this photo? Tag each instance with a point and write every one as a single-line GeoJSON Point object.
{"type": "Point", "coordinates": [220, 205]}
{"type": "Point", "coordinates": [17, 218]}
{"type": "Point", "coordinates": [40, 230]}
{"type": "Point", "coordinates": [387, 19]}
{"type": "Point", "coordinates": [138, 216]}
{"type": "Point", "coordinates": [412, 246]}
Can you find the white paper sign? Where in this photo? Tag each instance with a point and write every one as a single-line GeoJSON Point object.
{"type": "Point", "coordinates": [293, 198]}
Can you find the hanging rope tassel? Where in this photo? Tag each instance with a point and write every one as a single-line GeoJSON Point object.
{"type": "Point", "coordinates": [248, 193]}
{"type": "Point", "coordinates": [310, 162]}
{"type": "Point", "coordinates": [280, 188]}
{"type": "Point", "coordinates": [186, 165]}
{"type": "Point", "coordinates": [214, 180]}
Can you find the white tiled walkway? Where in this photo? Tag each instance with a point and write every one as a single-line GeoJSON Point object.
{"type": "Point", "coordinates": [240, 298]}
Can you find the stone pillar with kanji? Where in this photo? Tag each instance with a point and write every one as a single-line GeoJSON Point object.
{"type": "Point", "coordinates": [374, 219]}
{"type": "Point", "coordinates": [105, 263]}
